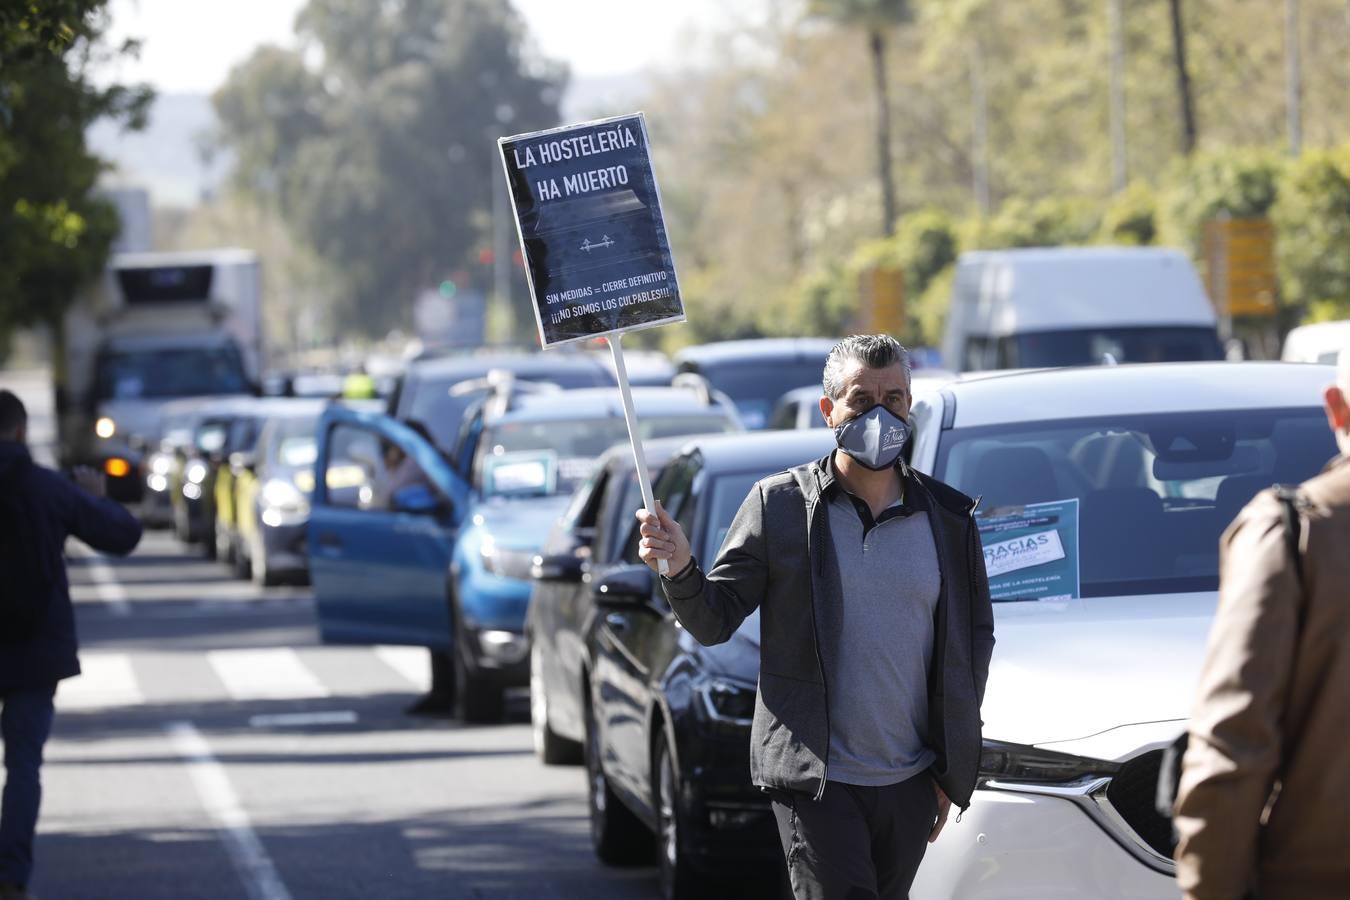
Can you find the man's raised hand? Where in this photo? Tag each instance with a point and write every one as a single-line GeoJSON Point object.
{"type": "Point", "coordinates": [662, 538]}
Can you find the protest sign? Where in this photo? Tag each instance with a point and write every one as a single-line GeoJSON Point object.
{"type": "Point", "coordinates": [589, 216]}
{"type": "Point", "coordinates": [1031, 553]}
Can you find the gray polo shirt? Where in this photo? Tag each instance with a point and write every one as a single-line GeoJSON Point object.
{"type": "Point", "coordinates": [877, 644]}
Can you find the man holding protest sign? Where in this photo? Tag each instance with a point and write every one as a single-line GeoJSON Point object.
{"type": "Point", "coordinates": [876, 632]}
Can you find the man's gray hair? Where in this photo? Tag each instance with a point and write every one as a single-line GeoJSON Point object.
{"type": "Point", "coordinates": [875, 351]}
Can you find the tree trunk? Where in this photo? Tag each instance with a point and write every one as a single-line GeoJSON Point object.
{"type": "Point", "coordinates": [877, 40]}
{"type": "Point", "coordinates": [1184, 93]}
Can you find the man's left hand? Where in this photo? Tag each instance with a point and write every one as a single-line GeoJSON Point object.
{"type": "Point", "coordinates": [944, 807]}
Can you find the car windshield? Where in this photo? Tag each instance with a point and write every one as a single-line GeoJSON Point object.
{"type": "Point", "coordinates": [578, 442]}
{"type": "Point", "coordinates": [170, 372]}
{"type": "Point", "coordinates": [1123, 505]}
{"type": "Point", "coordinates": [297, 442]}
{"type": "Point", "coordinates": [755, 385]}
{"type": "Point", "coordinates": [1090, 346]}
{"type": "Point", "coordinates": [725, 496]}
{"type": "Point", "coordinates": [435, 407]}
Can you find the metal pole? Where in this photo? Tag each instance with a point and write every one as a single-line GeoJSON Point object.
{"type": "Point", "coordinates": [1293, 78]}
{"type": "Point", "coordinates": [630, 417]}
{"type": "Point", "coordinates": [501, 247]}
{"type": "Point", "coordinates": [1115, 15]}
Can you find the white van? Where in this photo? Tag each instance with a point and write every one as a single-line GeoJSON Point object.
{"type": "Point", "coordinates": [1320, 342]}
{"type": "Point", "coordinates": [1069, 306]}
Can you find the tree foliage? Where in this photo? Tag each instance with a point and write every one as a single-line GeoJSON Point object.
{"type": "Point", "coordinates": [382, 154]}
{"type": "Point", "coordinates": [54, 231]}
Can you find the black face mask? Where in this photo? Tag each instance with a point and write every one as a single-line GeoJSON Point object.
{"type": "Point", "coordinates": [874, 437]}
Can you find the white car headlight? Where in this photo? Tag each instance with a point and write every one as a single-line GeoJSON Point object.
{"type": "Point", "coordinates": [1016, 763]}
{"type": "Point", "coordinates": [161, 463]}
{"type": "Point", "coordinates": [196, 472]}
{"type": "Point", "coordinates": [284, 497]}
{"type": "Point", "coordinates": [105, 427]}
{"type": "Point", "coordinates": [728, 701]}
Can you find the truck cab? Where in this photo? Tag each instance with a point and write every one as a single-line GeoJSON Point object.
{"type": "Point", "coordinates": [1072, 306]}
{"type": "Point", "coordinates": [158, 327]}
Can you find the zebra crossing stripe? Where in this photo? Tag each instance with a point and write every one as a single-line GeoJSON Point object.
{"type": "Point", "coordinates": [106, 680]}
{"type": "Point", "coordinates": [410, 662]}
{"type": "Point", "coordinates": [268, 674]}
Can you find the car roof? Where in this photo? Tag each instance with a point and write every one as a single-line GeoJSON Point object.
{"type": "Point", "coordinates": [1311, 341]}
{"type": "Point", "coordinates": [460, 368]}
{"type": "Point", "coordinates": [657, 453]}
{"type": "Point", "coordinates": [764, 450]}
{"type": "Point", "coordinates": [759, 348]}
{"type": "Point", "coordinates": [1094, 391]}
{"type": "Point", "coordinates": [606, 401]}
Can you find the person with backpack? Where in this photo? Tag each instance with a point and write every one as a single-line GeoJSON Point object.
{"type": "Point", "coordinates": [39, 508]}
{"type": "Point", "coordinates": [1263, 807]}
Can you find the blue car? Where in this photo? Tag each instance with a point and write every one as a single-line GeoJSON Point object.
{"type": "Point", "coordinates": [412, 545]}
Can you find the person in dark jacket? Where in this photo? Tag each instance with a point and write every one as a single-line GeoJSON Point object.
{"type": "Point", "coordinates": [876, 631]}
{"type": "Point", "coordinates": [33, 663]}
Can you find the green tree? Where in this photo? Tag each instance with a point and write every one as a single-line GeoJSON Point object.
{"type": "Point", "coordinates": [383, 154]}
{"type": "Point", "coordinates": [54, 231]}
{"type": "Point", "coordinates": [876, 18]}
{"type": "Point", "coordinates": [1312, 217]}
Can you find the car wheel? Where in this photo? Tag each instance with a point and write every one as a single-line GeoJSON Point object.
{"type": "Point", "coordinates": [551, 749]}
{"type": "Point", "coordinates": [242, 565]}
{"type": "Point", "coordinates": [480, 700]}
{"type": "Point", "coordinates": [679, 880]}
{"type": "Point", "coordinates": [618, 836]}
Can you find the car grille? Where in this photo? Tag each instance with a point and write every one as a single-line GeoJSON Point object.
{"type": "Point", "coordinates": [1132, 793]}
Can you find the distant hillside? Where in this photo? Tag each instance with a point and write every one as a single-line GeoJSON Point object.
{"type": "Point", "coordinates": [173, 157]}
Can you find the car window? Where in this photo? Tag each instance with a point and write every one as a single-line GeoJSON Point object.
{"type": "Point", "coordinates": [755, 385]}
{"type": "Point", "coordinates": [618, 518]}
{"type": "Point", "coordinates": [433, 404]}
{"type": "Point", "coordinates": [170, 372]}
{"type": "Point", "coordinates": [296, 442]}
{"type": "Point", "coordinates": [1123, 505]}
{"type": "Point", "coordinates": [725, 496]}
{"type": "Point", "coordinates": [355, 467]}
{"type": "Point", "coordinates": [672, 489]}
{"type": "Point", "coordinates": [578, 442]}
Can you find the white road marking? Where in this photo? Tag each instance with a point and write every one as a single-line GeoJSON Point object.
{"type": "Point", "coordinates": [107, 680]}
{"type": "Point", "coordinates": [101, 574]}
{"type": "Point", "coordinates": [299, 720]}
{"type": "Point", "coordinates": [246, 852]}
{"type": "Point", "coordinates": [413, 663]}
{"type": "Point", "coordinates": [270, 674]}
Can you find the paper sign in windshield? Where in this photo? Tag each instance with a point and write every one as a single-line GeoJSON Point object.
{"type": "Point", "coordinates": [1031, 553]}
{"type": "Point", "coordinates": [589, 215]}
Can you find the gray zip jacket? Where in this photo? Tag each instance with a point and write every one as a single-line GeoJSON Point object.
{"type": "Point", "coordinates": [778, 556]}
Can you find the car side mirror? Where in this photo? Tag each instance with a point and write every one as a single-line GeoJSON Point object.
{"type": "Point", "coordinates": [418, 500]}
{"type": "Point", "coordinates": [565, 567]}
{"type": "Point", "coordinates": [629, 585]}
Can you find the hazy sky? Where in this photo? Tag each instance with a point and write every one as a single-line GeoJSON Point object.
{"type": "Point", "coordinates": [190, 45]}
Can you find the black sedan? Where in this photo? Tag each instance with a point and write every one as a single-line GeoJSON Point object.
{"type": "Point", "coordinates": [590, 537]}
{"type": "Point", "coordinates": [667, 742]}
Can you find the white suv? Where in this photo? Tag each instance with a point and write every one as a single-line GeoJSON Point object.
{"type": "Point", "coordinates": [1104, 493]}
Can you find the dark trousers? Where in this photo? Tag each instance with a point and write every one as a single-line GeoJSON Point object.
{"type": "Point", "coordinates": [856, 843]}
{"type": "Point", "coordinates": [25, 721]}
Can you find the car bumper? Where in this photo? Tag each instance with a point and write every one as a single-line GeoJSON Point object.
{"type": "Point", "coordinates": [730, 823]}
{"type": "Point", "coordinates": [156, 507]}
{"type": "Point", "coordinates": [1015, 846]}
{"type": "Point", "coordinates": [286, 547]}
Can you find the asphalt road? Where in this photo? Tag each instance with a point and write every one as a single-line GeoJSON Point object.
{"type": "Point", "coordinates": [214, 749]}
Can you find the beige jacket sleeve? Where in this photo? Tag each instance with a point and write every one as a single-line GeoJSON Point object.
{"type": "Point", "coordinates": [1235, 744]}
